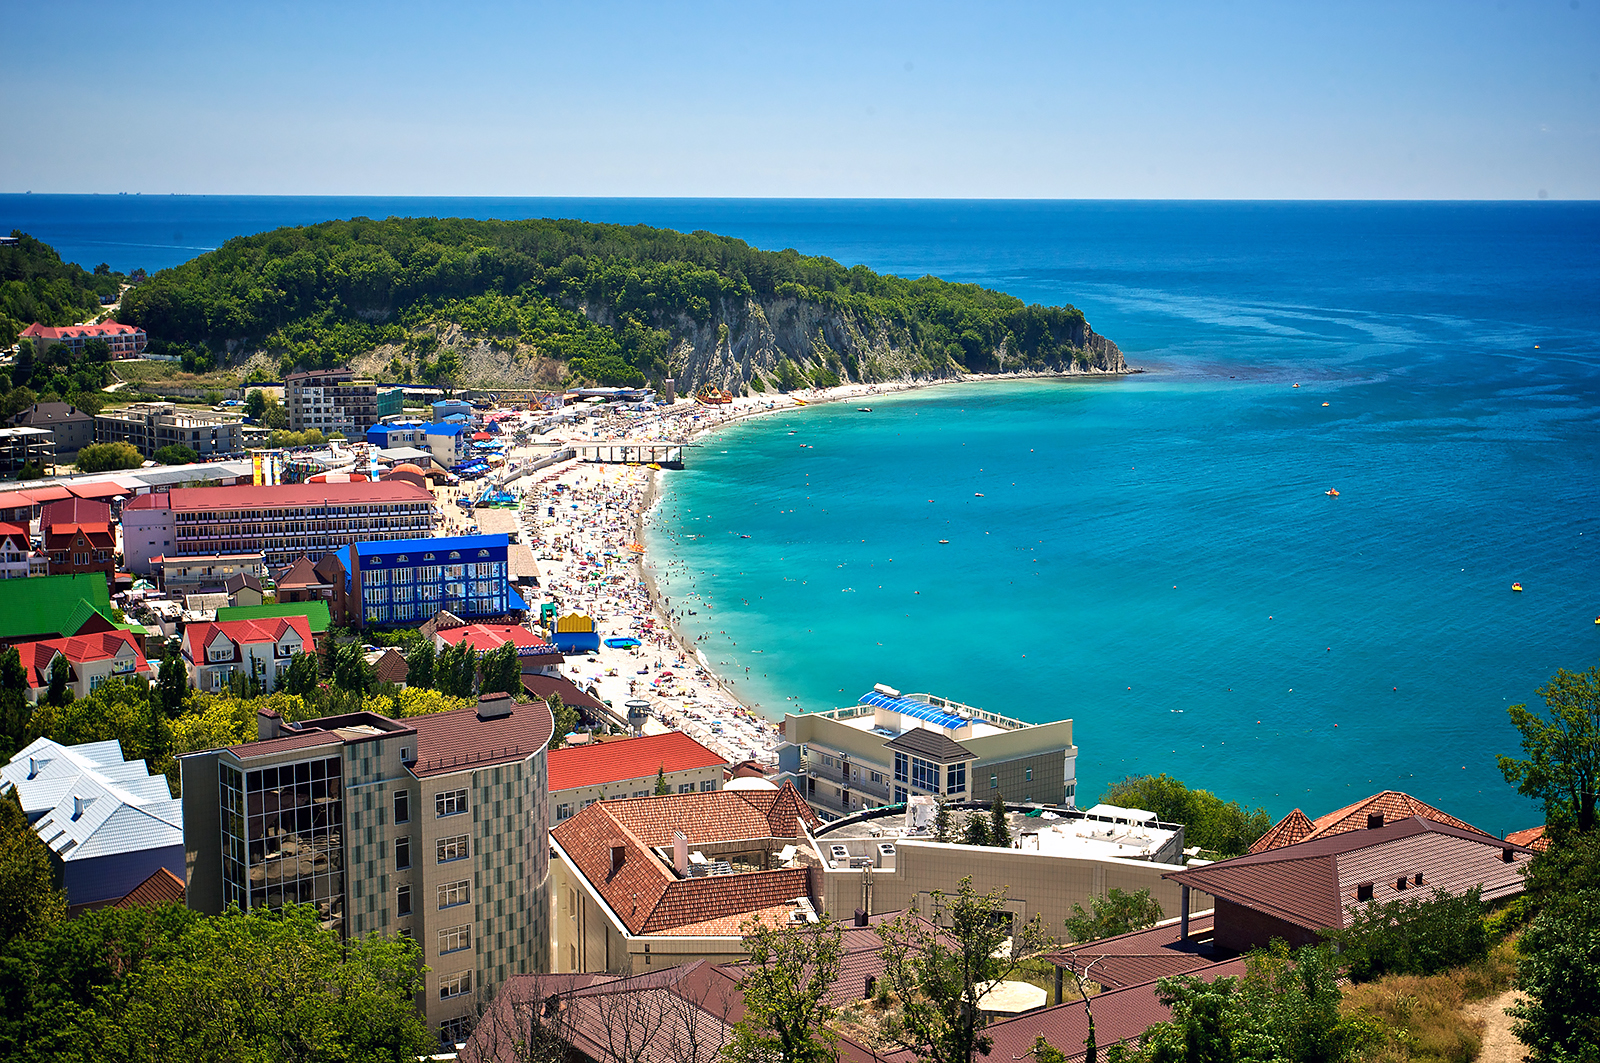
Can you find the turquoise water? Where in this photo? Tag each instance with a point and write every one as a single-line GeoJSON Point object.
{"type": "Point", "coordinates": [1157, 543]}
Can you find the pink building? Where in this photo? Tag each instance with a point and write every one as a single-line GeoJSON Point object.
{"type": "Point", "coordinates": [126, 341]}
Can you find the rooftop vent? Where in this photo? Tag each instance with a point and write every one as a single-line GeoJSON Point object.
{"type": "Point", "coordinates": [268, 724]}
{"type": "Point", "coordinates": [1506, 856]}
{"type": "Point", "coordinates": [494, 706]}
{"type": "Point", "coordinates": [80, 805]}
{"type": "Point", "coordinates": [619, 851]}
{"type": "Point", "coordinates": [680, 852]}
{"type": "Point", "coordinates": [885, 688]}
{"type": "Point", "coordinates": [35, 766]}
{"type": "Point", "coordinates": [861, 920]}
{"type": "Point", "coordinates": [1374, 820]}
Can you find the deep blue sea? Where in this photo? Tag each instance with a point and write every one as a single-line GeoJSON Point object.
{"type": "Point", "coordinates": [1155, 556]}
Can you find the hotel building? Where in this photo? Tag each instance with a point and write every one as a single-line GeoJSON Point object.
{"type": "Point", "coordinates": [149, 426]}
{"type": "Point", "coordinates": [333, 400]}
{"type": "Point", "coordinates": [125, 341]}
{"type": "Point", "coordinates": [891, 746]}
{"type": "Point", "coordinates": [283, 522]}
{"type": "Point", "coordinates": [407, 581]}
{"type": "Point", "coordinates": [436, 827]}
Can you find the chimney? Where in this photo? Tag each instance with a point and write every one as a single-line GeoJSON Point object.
{"type": "Point", "coordinates": [1374, 820]}
{"type": "Point", "coordinates": [861, 919]}
{"type": "Point", "coordinates": [268, 724]}
{"type": "Point", "coordinates": [494, 706]}
{"type": "Point", "coordinates": [80, 805]}
{"type": "Point", "coordinates": [618, 852]}
{"type": "Point", "coordinates": [680, 852]}
{"type": "Point", "coordinates": [34, 767]}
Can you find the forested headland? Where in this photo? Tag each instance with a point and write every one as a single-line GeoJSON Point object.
{"type": "Point", "coordinates": [35, 285]}
{"type": "Point", "coordinates": [460, 301]}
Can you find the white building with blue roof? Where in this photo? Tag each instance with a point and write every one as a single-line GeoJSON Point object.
{"type": "Point", "coordinates": [109, 823]}
{"type": "Point", "coordinates": [891, 746]}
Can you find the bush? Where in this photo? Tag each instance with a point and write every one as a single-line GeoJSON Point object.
{"type": "Point", "coordinates": [177, 454]}
{"type": "Point", "coordinates": [1414, 936]}
{"type": "Point", "coordinates": [108, 457]}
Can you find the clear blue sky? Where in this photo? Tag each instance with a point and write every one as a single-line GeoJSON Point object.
{"type": "Point", "coordinates": [1316, 99]}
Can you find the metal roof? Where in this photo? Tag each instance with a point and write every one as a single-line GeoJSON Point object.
{"type": "Point", "coordinates": [919, 710]}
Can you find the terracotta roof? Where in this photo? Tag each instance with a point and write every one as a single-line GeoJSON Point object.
{"type": "Point", "coordinates": [1142, 955]}
{"type": "Point", "coordinates": [61, 536]}
{"type": "Point", "coordinates": [104, 328]}
{"type": "Point", "coordinates": [1390, 804]}
{"type": "Point", "coordinates": [300, 574]}
{"type": "Point", "coordinates": [78, 649]}
{"type": "Point", "coordinates": [75, 511]}
{"type": "Point", "coordinates": [485, 637]}
{"type": "Point", "coordinates": [198, 636]}
{"type": "Point", "coordinates": [1292, 829]}
{"type": "Point", "coordinates": [1314, 884]}
{"type": "Point", "coordinates": [631, 758]}
{"type": "Point", "coordinates": [542, 686]}
{"type": "Point", "coordinates": [16, 533]}
{"type": "Point", "coordinates": [390, 666]}
{"type": "Point", "coordinates": [244, 496]}
{"type": "Point", "coordinates": [1534, 838]}
{"type": "Point", "coordinates": [150, 501]}
{"type": "Point", "coordinates": [645, 893]}
{"type": "Point", "coordinates": [458, 740]}
{"type": "Point", "coordinates": [163, 887]}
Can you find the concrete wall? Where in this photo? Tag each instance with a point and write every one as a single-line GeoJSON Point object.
{"type": "Point", "coordinates": [577, 796]}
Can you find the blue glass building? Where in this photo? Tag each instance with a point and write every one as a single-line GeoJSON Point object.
{"type": "Point", "coordinates": [407, 581]}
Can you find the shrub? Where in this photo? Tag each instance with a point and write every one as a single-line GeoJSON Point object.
{"type": "Point", "coordinates": [1414, 936]}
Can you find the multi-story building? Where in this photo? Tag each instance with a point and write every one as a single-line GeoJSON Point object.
{"type": "Point", "coordinates": [447, 443]}
{"type": "Point", "coordinates": [398, 434]}
{"type": "Point", "coordinates": [125, 341]}
{"type": "Point", "coordinates": [283, 522]}
{"type": "Point", "coordinates": [199, 573]}
{"type": "Point", "coordinates": [261, 649]}
{"type": "Point", "coordinates": [890, 746]}
{"type": "Point", "coordinates": [630, 767]}
{"type": "Point", "coordinates": [78, 537]}
{"type": "Point", "coordinates": [73, 428]}
{"type": "Point", "coordinates": [16, 552]}
{"type": "Point", "coordinates": [149, 426]}
{"type": "Point", "coordinates": [408, 581]}
{"type": "Point", "coordinates": [26, 446]}
{"type": "Point", "coordinates": [91, 659]}
{"type": "Point", "coordinates": [333, 400]}
{"type": "Point", "coordinates": [435, 826]}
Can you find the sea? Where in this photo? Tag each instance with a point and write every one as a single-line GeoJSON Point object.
{"type": "Point", "coordinates": [1155, 556]}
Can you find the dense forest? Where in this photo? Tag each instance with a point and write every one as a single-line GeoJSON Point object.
{"type": "Point", "coordinates": [35, 285]}
{"type": "Point", "coordinates": [611, 302]}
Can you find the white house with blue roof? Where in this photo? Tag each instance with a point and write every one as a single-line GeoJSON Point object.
{"type": "Point", "coordinates": [109, 823]}
{"type": "Point", "coordinates": [448, 443]}
{"type": "Point", "coordinates": [408, 581]}
{"type": "Point", "coordinates": [890, 746]}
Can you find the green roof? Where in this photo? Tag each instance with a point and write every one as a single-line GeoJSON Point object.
{"type": "Point", "coordinates": [51, 605]}
{"type": "Point", "coordinates": [316, 613]}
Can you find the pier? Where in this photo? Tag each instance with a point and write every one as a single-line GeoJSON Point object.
{"type": "Point", "coordinates": [667, 455]}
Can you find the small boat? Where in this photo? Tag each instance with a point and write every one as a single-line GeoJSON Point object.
{"type": "Point", "coordinates": [1332, 492]}
{"type": "Point", "coordinates": [863, 409]}
{"type": "Point", "coordinates": [977, 494]}
{"type": "Point", "coordinates": [1297, 385]}
{"type": "Point", "coordinates": [1517, 587]}
{"type": "Point", "coordinates": [799, 402]}
{"type": "Point", "coordinates": [946, 542]}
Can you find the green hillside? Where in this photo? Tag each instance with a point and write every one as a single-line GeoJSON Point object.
{"type": "Point", "coordinates": [35, 285]}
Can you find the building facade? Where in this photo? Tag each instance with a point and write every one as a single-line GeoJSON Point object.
{"type": "Point", "coordinates": [447, 443]}
{"type": "Point", "coordinates": [91, 660]}
{"type": "Point", "coordinates": [890, 746]}
{"type": "Point", "coordinates": [78, 538]}
{"type": "Point", "coordinates": [207, 572]}
{"type": "Point", "coordinates": [283, 522]}
{"type": "Point", "coordinates": [73, 428]}
{"type": "Point", "coordinates": [334, 400]}
{"type": "Point", "coordinates": [16, 552]}
{"type": "Point", "coordinates": [435, 827]}
{"type": "Point", "coordinates": [149, 426]}
{"type": "Point", "coordinates": [125, 341]}
{"type": "Point", "coordinates": [630, 767]}
{"type": "Point", "coordinates": [26, 446]}
{"type": "Point", "coordinates": [408, 581]}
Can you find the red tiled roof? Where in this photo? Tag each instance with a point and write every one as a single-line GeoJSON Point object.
{"type": "Point", "coordinates": [75, 511]}
{"type": "Point", "coordinates": [198, 636]}
{"type": "Point", "coordinates": [103, 489]}
{"type": "Point", "coordinates": [245, 496]}
{"type": "Point", "coordinates": [104, 328]}
{"type": "Point", "coordinates": [485, 637]}
{"type": "Point", "coordinates": [16, 533]}
{"type": "Point", "coordinates": [1292, 829]}
{"type": "Point", "coordinates": [61, 536]}
{"type": "Point", "coordinates": [631, 758]}
{"type": "Point", "coordinates": [1313, 884]}
{"type": "Point", "coordinates": [1534, 838]}
{"type": "Point", "coordinates": [458, 739]}
{"type": "Point", "coordinates": [1390, 804]}
{"type": "Point", "coordinates": [163, 887]}
{"type": "Point", "coordinates": [644, 893]}
{"type": "Point", "coordinates": [78, 649]}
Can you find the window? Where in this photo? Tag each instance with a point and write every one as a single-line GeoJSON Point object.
{"type": "Point", "coordinates": [454, 893]}
{"type": "Point", "coordinates": [875, 776]}
{"type": "Point", "coordinates": [955, 778]}
{"type": "Point", "coordinates": [901, 768]}
{"type": "Point", "coordinates": [686, 788]}
{"type": "Point", "coordinates": [1027, 775]}
{"type": "Point", "coordinates": [900, 795]}
{"type": "Point", "coordinates": [454, 986]}
{"type": "Point", "coordinates": [402, 853]}
{"type": "Point", "coordinates": [994, 782]}
{"type": "Point", "coordinates": [402, 900]}
{"type": "Point", "coordinates": [453, 1032]}
{"type": "Point", "coordinates": [563, 812]}
{"type": "Point", "coordinates": [402, 804]}
{"type": "Point", "coordinates": [458, 847]}
{"type": "Point", "coordinates": [707, 785]}
{"type": "Point", "coordinates": [827, 761]}
{"type": "Point", "coordinates": [924, 776]}
{"type": "Point", "coordinates": [455, 938]}
{"type": "Point", "coordinates": [450, 803]}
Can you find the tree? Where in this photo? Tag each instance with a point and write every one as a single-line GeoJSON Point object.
{"type": "Point", "coordinates": [30, 903]}
{"type": "Point", "coordinates": [941, 971]}
{"type": "Point", "coordinates": [455, 670]}
{"type": "Point", "coordinates": [1562, 766]}
{"type": "Point", "coordinates": [172, 683]}
{"type": "Point", "coordinates": [662, 789]}
{"type": "Point", "coordinates": [301, 678]}
{"type": "Point", "coordinates": [255, 404]}
{"type": "Point", "coordinates": [116, 709]}
{"type": "Point", "coordinates": [1419, 936]}
{"type": "Point", "coordinates": [419, 665]}
{"type": "Point", "coordinates": [941, 820]}
{"type": "Point", "coordinates": [566, 718]}
{"type": "Point", "coordinates": [1558, 970]}
{"type": "Point", "coordinates": [785, 985]}
{"type": "Point", "coordinates": [1115, 913]}
{"type": "Point", "coordinates": [350, 669]}
{"type": "Point", "coordinates": [502, 671]}
{"type": "Point", "coordinates": [30, 471]}
{"type": "Point", "coordinates": [107, 457]}
{"type": "Point", "coordinates": [177, 454]}
{"type": "Point", "coordinates": [999, 830]}
{"type": "Point", "coordinates": [975, 831]}
{"type": "Point", "coordinates": [1226, 828]}
{"type": "Point", "coordinates": [16, 713]}
{"type": "Point", "coordinates": [58, 694]}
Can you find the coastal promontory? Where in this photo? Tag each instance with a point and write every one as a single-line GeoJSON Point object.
{"type": "Point", "coordinates": [541, 303]}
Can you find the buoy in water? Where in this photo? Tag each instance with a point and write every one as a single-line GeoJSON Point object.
{"type": "Point", "coordinates": [1517, 587]}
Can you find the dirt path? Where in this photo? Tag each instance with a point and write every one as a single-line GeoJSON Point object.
{"type": "Point", "coordinates": [1499, 1045]}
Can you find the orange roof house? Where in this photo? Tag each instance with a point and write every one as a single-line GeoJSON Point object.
{"type": "Point", "coordinates": [214, 653]}
{"type": "Point", "coordinates": [1380, 808]}
{"type": "Point", "coordinates": [91, 658]}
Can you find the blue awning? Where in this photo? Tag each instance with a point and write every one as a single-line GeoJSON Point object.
{"type": "Point", "coordinates": [516, 599]}
{"type": "Point", "coordinates": [919, 710]}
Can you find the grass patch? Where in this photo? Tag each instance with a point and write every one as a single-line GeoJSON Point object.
{"type": "Point", "coordinates": [1422, 1015]}
{"type": "Point", "coordinates": [152, 374]}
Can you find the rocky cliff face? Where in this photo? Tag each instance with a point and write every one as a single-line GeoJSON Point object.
{"type": "Point", "coordinates": [747, 343]}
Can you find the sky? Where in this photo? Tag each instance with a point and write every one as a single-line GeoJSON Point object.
{"type": "Point", "coordinates": [1458, 99]}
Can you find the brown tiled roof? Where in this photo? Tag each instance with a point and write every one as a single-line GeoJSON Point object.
{"type": "Point", "coordinates": [458, 740]}
{"type": "Point", "coordinates": [300, 574]}
{"type": "Point", "coordinates": [391, 667]}
{"type": "Point", "coordinates": [1313, 884]}
{"type": "Point", "coordinates": [1534, 838]}
{"type": "Point", "coordinates": [160, 888]}
{"type": "Point", "coordinates": [542, 686]}
{"type": "Point", "coordinates": [648, 896]}
{"type": "Point", "coordinates": [1142, 955]}
{"type": "Point", "coordinates": [74, 511]}
{"type": "Point", "coordinates": [930, 744]}
{"type": "Point", "coordinates": [1292, 829]}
